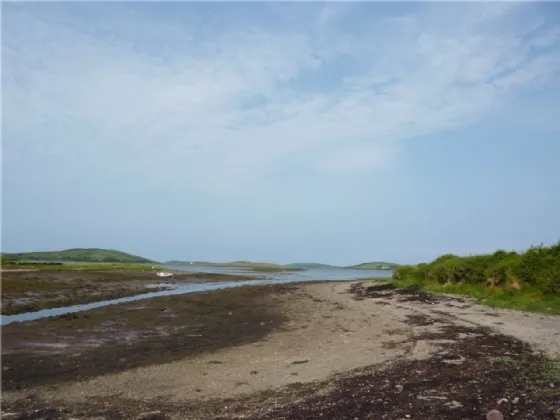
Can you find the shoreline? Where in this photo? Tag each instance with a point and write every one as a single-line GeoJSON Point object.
{"type": "Point", "coordinates": [281, 351]}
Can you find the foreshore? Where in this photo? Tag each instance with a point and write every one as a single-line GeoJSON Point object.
{"type": "Point", "coordinates": [341, 350]}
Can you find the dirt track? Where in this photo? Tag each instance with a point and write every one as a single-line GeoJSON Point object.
{"type": "Point", "coordinates": [317, 350]}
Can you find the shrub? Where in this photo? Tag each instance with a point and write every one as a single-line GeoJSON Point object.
{"type": "Point", "coordinates": [548, 277]}
{"type": "Point", "coordinates": [421, 272]}
{"type": "Point", "coordinates": [538, 266]}
{"type": "Point", "coordinates": [439, 272]}
{"type": "Point", "coordinates": [403, 271]}
{"type": "Point", "coordinates": [498, 274]}
{"type": "Point", "coordinates": [444, 258]}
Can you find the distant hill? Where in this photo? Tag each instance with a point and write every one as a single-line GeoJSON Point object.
{"type": "Point", "coordinates": [264, 265]}
{"type": "Point", "coordinates": [378, 265]}
{"type": "Point", "coordinates": [79, 255]}
{"type": "Point", "coordinates": [312, 265]}
{"type": "Point", "coordinates": [249, 265]}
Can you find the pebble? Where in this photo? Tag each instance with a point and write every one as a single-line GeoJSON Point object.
{"type": "Point", "coordinates": [494, 415]}
{"type": "Point", "coordinates": [515, 400]}
{"type": "Point", "coordinates": [399, 387]}
{"type": "Point", "coordinates": [502, 400]}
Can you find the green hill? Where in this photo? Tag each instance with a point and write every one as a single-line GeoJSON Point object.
{"type": "Point", "coordinates": [378, 265]}
{"type": "Point", "coordinates": [78, 255]}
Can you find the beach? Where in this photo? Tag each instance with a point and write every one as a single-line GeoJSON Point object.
{"type": "Point", "coordinates": [305, 350]}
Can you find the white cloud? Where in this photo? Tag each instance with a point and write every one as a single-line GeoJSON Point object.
{"type": "Point", "coordinates": [129, 110]}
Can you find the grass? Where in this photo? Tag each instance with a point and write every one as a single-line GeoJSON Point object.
{"type": "Point", "coordinates": [528, 299]}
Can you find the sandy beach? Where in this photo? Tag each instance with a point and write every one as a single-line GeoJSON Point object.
{"type": "Point", "coordinates": [340, 350]}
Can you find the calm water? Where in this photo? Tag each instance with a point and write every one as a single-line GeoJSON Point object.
{"type": "Point", "coordinates": [177, 289]}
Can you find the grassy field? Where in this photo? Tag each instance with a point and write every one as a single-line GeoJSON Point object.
{"type": "Point", "coordinates": [529, 281]}
{"type": "Point", "coordinates": [79, 254]}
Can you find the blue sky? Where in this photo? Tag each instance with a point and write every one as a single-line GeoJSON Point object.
{"type": "Point", "coordinates": [329, 132]}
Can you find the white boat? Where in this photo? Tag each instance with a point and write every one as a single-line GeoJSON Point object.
{"type": "Point", "coordinates": [164, 274]}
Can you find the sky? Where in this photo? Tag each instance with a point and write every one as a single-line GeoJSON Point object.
{"type": "Point", "coordinates": [282, 132]}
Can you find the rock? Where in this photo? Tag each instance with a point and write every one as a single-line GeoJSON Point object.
{"type": "Point", "coordinates": [494, 415]}
{"type": "Point", "coordinates": [454, 404]}
{"type": "Point", "coordinates": [515, 400]}
{"type": "Point", "coordinates": [399, 387]}
{"type": "Point", "coordinates": [151, 415]}
{"type": "Point", "coordinates": [502, 400]}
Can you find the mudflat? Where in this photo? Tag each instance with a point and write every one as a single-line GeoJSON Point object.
{"type": "Point", "coordinates": [32, 290]}
{"type": "Point", "coordinates": [297, 351]}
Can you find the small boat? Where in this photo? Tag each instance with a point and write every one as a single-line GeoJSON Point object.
{"type": "Point", "coordinates": [164, 274]}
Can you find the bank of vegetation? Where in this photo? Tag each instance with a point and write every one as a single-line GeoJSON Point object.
{"type": "Point", "coordinates": [526, 281]}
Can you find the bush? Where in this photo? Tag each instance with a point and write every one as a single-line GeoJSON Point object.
{"type": "Point", "coordinates": [403, 271]}
{"type": "Point", "coordinates": [421, 271]}
{"type": "Point", "coordinates": [439, 272]}
{"type": "Point", "coordinates": [539, 267]}
{"type": "Point", "coordinates": [548, 278]}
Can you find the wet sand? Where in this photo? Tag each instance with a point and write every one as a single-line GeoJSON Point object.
{"type": "Point", "coordinates": [298, 351]}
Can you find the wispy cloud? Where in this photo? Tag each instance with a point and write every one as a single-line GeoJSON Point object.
{"type": "Point", "coordinates": [221, 108]}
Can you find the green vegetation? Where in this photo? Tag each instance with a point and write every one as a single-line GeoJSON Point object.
{"type": "Point", "coordinates": [378, 265]}
{"type": "Point", "coordinates": [79, 255]}
{"type": "Point", "coordinates": [529, 281]}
